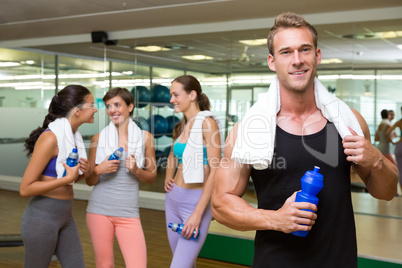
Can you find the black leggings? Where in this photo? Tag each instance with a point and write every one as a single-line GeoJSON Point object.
{"type": "Point", "coordinates": [47, 228]}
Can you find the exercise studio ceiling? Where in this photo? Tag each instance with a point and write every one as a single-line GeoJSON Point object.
{"type": "Point", "coordinates": [352, 34]}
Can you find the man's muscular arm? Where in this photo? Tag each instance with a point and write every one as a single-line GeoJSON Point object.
{"type": "Point", "coordinates": [377, 172]}
{"type": "Point", "coordinates": [231, 210]}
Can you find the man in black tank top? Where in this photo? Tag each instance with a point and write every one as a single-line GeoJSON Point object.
{"type": "Point", "coordinates": [304, 139]}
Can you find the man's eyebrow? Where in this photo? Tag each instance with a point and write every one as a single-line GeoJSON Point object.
{"type": "Point", "coordinates": [301, 46]}
{"type": "Point", "coordinates": [307, 45]}
{"type": "Point", "coordinates": [283, 48]}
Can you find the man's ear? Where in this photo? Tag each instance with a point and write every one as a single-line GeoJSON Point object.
{"type": "Point", "coordinates": [318, 54]}
{"type": "Point", "coordinates": [271, 62]}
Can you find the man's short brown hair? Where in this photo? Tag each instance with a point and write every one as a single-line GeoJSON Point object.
{"type": "Point", "coordinates": [289, 20]}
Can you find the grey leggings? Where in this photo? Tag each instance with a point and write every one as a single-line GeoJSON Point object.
{"type": "Point", "coordinates": [47, 228]}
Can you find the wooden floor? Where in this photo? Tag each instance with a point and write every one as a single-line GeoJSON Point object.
{"type": "Point", "coordinates": [378, 225]}
{"type": "Point", "coordinates": [159, 254]}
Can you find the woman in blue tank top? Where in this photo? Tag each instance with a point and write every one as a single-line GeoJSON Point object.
{"type": "Point", "coordinates": [47, 225]}
{"type": "Point", "coordinates": [188, 200]}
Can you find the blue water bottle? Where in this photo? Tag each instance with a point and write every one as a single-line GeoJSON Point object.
{"type": "Point", "coordinates": [178, 227]}
{"type": "Point", "coordinates": [311, 183]}
{"type": "Point", "coordinates": [117, 154]}
{"type": "Point", "coordinates": [72, 160]}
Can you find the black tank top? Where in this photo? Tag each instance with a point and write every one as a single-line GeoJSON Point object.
{"type": "Point", "coordinates": [332, 240]}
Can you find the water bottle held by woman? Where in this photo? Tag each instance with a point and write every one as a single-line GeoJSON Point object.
{"type": "Point", "coordinates": [72, 160]}
{"type": "Point", "coordinates": [117, 154]}
{"type": "Point", "coordinates": [178, 227]}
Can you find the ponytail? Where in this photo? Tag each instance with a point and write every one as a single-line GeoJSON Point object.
{"type": "Point", "coordinates": [203, 102]}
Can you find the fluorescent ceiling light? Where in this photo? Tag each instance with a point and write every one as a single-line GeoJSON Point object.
{"type": "Point", "coordinates": [390, 34]}
{"type": "Point", "coordinates": [152, 48]}
{"type": "Point", "coordinates": [197, 57]}
{"type": "Point", "coordinates": [30, 62]}
{"type": "Point", "coordinates": [254, 42]}
{"type": "Point", "coordinates": [327, 61]}
{"type": "Point", "coordinates": [377, 35]}
{"type": "Point", "coordinates": [9, 64]}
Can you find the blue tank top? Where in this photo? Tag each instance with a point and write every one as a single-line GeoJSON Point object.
{"type": "Point", "coordinates": [178, 149]}
{"type": "Point", "coordinates": [50, 169]}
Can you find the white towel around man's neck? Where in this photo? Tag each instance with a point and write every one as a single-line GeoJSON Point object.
{"type": "Point", "coordinates": [66, 142]}
{"type": "Point", "coordinates": [109, 141]}
{"type": "Point", "coordinates": [256, 132]}
{"type": "Point", "coordinates": [193, 154]}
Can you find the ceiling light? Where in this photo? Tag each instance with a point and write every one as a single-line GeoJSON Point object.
{"type": "Point", "coordinates": [152, 48]}
{"type": "Point", "coordinates": [9, 64]}
{"type": "Point", "coordinates": [328, 61]}
{"type": "Point", "coordinates": [197, 57]}
{"type": "Point", "coordinates": [388, 35]}
{"type": "Point", "coordinates": [254, 42]}
{"type": "Point", "coordinates": [377, 35]}
{"type": "Point", "coordinates": [399, 46]}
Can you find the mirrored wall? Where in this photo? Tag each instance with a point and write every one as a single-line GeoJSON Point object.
{"type": "Point", "coordinates": [29, 79]}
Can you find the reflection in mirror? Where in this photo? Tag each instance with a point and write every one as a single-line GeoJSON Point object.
{"type": "Point", "coordinates": [30, 83]}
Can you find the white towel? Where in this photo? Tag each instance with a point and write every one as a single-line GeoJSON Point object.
{"type": "Point", "coordinates": [109, 141]}
{"type": "Point", "coordinates": [256, 133]}
{"type": "Point", "coordinates": [193, 155]}
{"type": "Point", "coordinates": [385, 121]}
{"type": "Point", "coordinates": [66, 142]}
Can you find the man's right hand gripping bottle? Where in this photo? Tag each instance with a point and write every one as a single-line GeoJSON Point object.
{"type": "Point", "coordinates": [311, 183]}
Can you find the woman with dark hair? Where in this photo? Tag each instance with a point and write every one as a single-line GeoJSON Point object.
{"type": "Point", "coordinates": [194, 157]}
{"type": "Point", "coordinates": [381, 135]}
{"type": "Point", "coordinates": [113, 207]}
{"type": "Point", "coordinates": [47, 225]}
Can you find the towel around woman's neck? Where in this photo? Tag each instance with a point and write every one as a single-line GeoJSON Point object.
{"type": "Point", "coordinates": [385, 121]}
{"type": "Point", "coordinates": [256, 132]}
{"type": "Point", "coordinates": [66, 142]}
{"type": "Point", "coordinates": [109, 141]}
{"type": "Point", "coordinates": [193, 154]}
